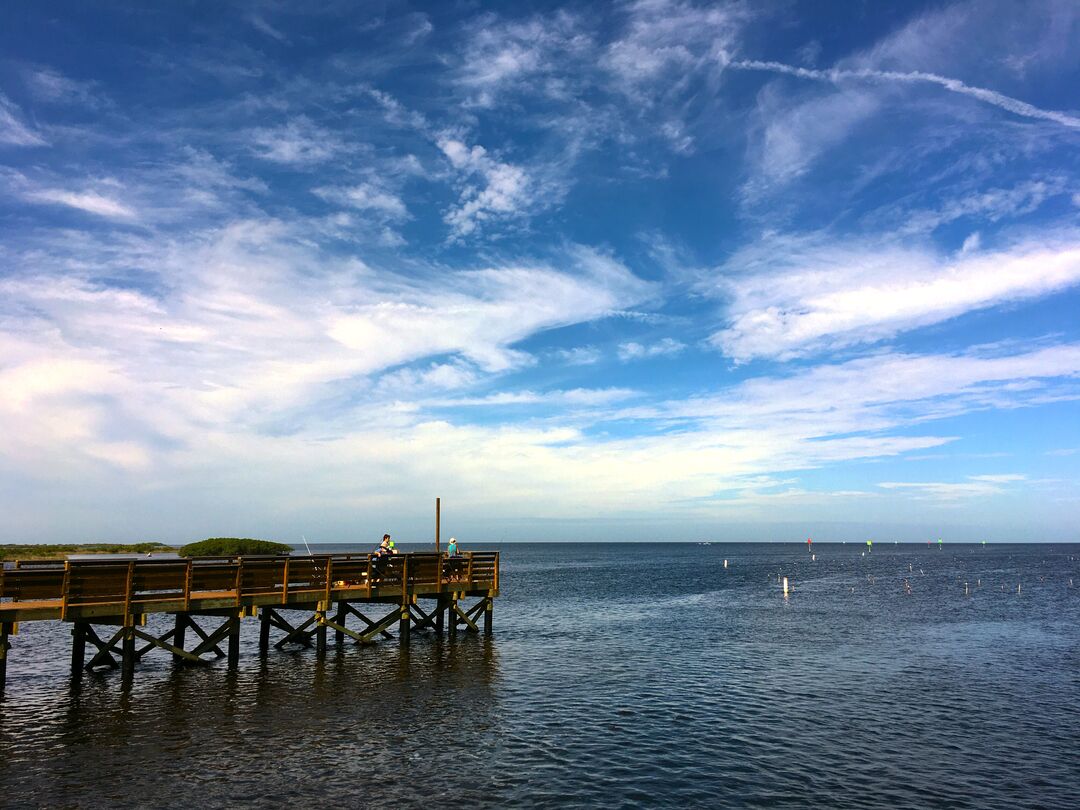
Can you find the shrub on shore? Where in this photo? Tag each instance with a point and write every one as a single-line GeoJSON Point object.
{"type": "Point", "coordinates": [232, 546]}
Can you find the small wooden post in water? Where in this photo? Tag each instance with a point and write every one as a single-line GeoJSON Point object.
{"type": "Point", "coordinates": [264, 630]}
{"type": "Point", "coordinates": [342, 617]}
{"type": "Point", "coordinates": [78, 647]}
{"type": "Point", "coordinates": [179, 634]}
{"type": "Point", "coordinates": [128, 659]}
{"type": "Point", "coordinates": [403, 625]}
{"type": "Point", "coordinates": [5, 628]}
{"type": "Point", "coordinates": [320, 631]}
{"type": "Point", "coordinates": [489, 606]}
{"type": "Point", "coordinates": [234, 640]}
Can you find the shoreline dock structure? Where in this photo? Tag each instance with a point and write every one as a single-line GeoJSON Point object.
{"type": "Point", "coordinates": [327, 589]}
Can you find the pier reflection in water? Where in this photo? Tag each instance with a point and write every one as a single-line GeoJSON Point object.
{"type": "Point", "coordinates": [373, 725]}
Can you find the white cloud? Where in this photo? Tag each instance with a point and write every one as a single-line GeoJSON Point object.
{"type": "Point", "coordinates": [298, 142]}
{"type": "Point", "coordinates": [506, 190]}
{"type": "Point", "coordinates": [839, 75]}
{"type": "Point", "coordinates": [972, 243]}
{"type": "Point", "coordinates": [260, 24]}
{"type": "Point", "coordinates": [366, 197]}
{"type": "Point", "coordinates": [12, 130]}
{"type": "Point", "coordinates": [89, 201]}
{"type": "Point", "coordinates": [790, 297]}
{"type": "Point", "coordinates": [794, 135]}
{"type": "Point", "coordinates": [975, 486]}
{"type": "Point", "coordinates": [521, 55]}
{"type": "Point", "coordinates": [638, 351]}
{"type": "Point", "coordinates": [987, 205]}
{"type": "Point", "coordinates": [579, 355]}
{"type": "Point", "coordinates": [664, 41]}
{"type": "Point", "coordinates": [51, 86]}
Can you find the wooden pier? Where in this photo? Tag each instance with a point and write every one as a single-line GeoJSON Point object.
{"type": "Point", "coordinates": [106, 602]}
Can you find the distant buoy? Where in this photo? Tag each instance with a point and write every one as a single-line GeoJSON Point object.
{"type": "Point", "coordinates": [813, 558]}
{"type": "Point", "coordinates": [725, 563]}
{"type": "Point", "coordinates": [966, 592]}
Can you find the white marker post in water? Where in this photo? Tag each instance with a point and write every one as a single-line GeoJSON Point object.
{"type": "Point", "coordinates": [785, 587]}
{"type": "Point", "coordinates": [725, 563]}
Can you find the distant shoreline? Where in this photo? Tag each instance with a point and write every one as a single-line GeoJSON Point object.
{"type": "Point", "coordinates": [26, 551]}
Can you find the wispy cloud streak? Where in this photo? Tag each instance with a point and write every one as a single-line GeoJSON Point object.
{"type": "Point", "coordinates": [838, 76]}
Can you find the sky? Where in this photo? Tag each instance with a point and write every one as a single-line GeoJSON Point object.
{"type": "Point", "coordinates": [653, 270]}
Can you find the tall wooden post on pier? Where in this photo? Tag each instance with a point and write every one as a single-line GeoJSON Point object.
{"type": "Point", "coordinates": [438, 520]}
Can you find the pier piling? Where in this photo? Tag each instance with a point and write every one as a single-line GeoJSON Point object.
{"type": "Point", "coordinates": [128, 651]}
{"type": "Point", "coordinates": [403, 625]}
{"type": "Point", "coordinates": [320, 632]}
{"type": "Point", "coordinates": [234, 641]}
{"type": "Point", "coordinates": [179, 635]}
{"type": "Point", "coordinates": [78, 647]}
{"type": "Point", "coordinates": [264, 630]}
{"type": "Point", "coordinates": [5, 630]}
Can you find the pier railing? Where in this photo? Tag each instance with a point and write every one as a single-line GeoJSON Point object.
{"type": "Point", "coordinates": [329, 588]}
{"type": "Point", "coordinates": [150, 585]}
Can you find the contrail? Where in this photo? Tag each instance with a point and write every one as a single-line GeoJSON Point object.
{"type": "Point", "coordinates": [835, 75]}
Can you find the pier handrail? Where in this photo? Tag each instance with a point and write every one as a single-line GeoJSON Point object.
{"type": "Point", "coordinates": [134, 585]}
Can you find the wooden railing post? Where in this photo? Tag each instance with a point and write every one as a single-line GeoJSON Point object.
{"type": "Point", "coordinates": [64, 590]}
{"type": "Point", "coordinates": [468, 572]}
{"type": "Point", "coordinates": [187, 584]}
{"type": "Point", "coordinates": [239, 579]}
{"type": "Point", "coordinates": [128, 593]}
{"type": "Point", "coordinates": [285, 583]}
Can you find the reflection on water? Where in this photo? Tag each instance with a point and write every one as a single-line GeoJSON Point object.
{"type": "Point", "coordinates": [646, 676]}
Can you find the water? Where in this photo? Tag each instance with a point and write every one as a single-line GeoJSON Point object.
{"type": "Point", "coordinates": [618, 676]}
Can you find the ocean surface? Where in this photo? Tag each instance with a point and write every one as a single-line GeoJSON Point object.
{"type": "Point", "coordinates": [619, 675]}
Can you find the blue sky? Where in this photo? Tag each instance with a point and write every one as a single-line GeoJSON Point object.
{"type": "Point", "coordinates": [642, 270]}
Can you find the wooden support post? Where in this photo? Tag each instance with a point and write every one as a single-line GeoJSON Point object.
{"type": "Point", "coordinates": [342, 617]}
{"type": "Point", "coordinates": [179, 634]}
{"type": "Point", "coordinates": [403, 625]}
{"type": "Point", "coordinates": [264, 630]}
{"type": "Point", "coordinates": [5, 628]}
{"type": "Point", "coordinates": [489, 607]}
{"type": "Point", "coordinates": [78, 647]}
{"type": "Point", "coordinates": [451, 615]}
{"type": "Point", "coordinates": [128, 655]}
{"type": "Point", "coordinates": [440, 610]}
{"type": "Point", "coordinates": [320, 631]}
{"type": "Point", "coordinates": [234, 641]}
{"type": "Point", "coordinates": [438, 521]}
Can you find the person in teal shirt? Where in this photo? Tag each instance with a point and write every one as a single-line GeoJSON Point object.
{"type": "Point", "coordinates": [451, 547]}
